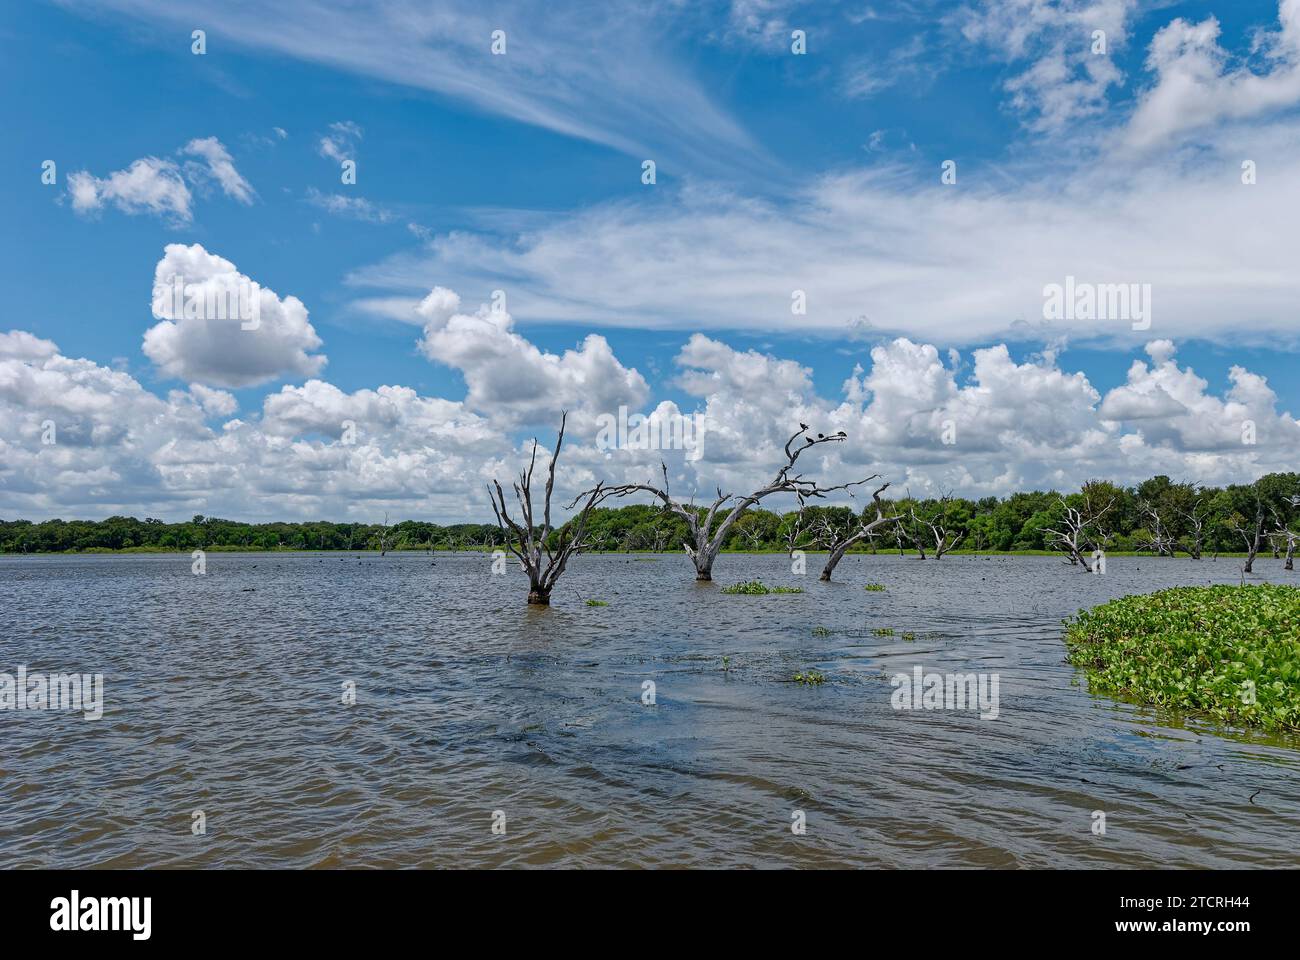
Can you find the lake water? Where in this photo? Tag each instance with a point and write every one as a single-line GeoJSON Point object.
{"type": "Point", "coordinates": [224, 694]}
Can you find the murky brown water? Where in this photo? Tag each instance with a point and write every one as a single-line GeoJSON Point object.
{"type": "Point", "coordinates": [224, 694]}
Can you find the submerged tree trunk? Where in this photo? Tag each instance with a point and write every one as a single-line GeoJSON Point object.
{"type": "Point", "coordinates": [865, 530]}
{"type": "Point", "coordinates": [1252, 551]}
{"type": "Point", "coordinates": [528, 541]}
{"type": "Point", "coordinates": [1252, 535]}
{"type": "Point", "coordinates": [703, 558]}
{"type": "Point", "coordinates": [1080, 528]}
{"type": "Point", "coordinates": [710, 530]}
{"type": "Point", "coordinates": [706, 548]}
{"type": "Point", "coordinates": [837, 554]}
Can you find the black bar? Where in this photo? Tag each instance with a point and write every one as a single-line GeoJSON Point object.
{"type": "Point", "coordinates": [331, 909]}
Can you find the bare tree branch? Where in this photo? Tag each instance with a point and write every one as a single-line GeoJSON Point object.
{"type": "Point", "coordinates": [709, 531]}
{"type": "Point", "coordinates": [1080, 528]}
{"type": "Point", "coordinates": [863, 530]}
{"type": "Point", "coordinates": [532, 546]}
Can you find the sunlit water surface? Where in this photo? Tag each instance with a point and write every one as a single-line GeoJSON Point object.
{"type": "Point", "coordinates": [224, 694]}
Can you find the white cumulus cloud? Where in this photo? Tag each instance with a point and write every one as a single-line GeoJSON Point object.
{"type": "Point", "coordinates": [224, 329]}
{"type": "Point", "coordinates": [149, 185]}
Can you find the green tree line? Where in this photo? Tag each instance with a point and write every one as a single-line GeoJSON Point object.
{"type": "Point", "coordinates": [1158, 515]}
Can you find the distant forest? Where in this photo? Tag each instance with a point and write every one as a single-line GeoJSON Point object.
{"type": "Point", "coordinates": [1158, 515]}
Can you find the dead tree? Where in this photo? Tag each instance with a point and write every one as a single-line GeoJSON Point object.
{"type": "Point", "coordinates": [661, 534]}
{"type": "Point", "coordinates": [530, 543]}
{"type": "Point", "coordinates": [793, 533]}
{"type": "Point", "coordinates": [1160, 542]}
{"type": "Point", "coordinates": [913, 531]}
{"type": "Point", "coordinates": [1079, 532]}
{"type": "Point", "coordinates": [864, 530]}
{"type": "Point", "coordinates": [752, 536]}
{"type": "Point", "coordinates": [1288, 538]}
{"type": "Point", "coordinates": [1250, 531]}
{"type": "Point", "coordinates": [943, 539]}
{"type": "Point", "coordinates": [709, 526]}
{"type": "Point", "coordinates": [1195, 519]}
{"type": "Point", "coordinates": [1285, 533]}
{"type": "Point", "coordinates": [385, 537]}
{"type": "Point", "coordinates": [825, 531]}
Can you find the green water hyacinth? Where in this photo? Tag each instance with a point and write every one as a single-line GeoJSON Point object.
{"type": "Point", "coordinates": [756, 588]}
{"type": "Point", "coordinates": [1229, 652]}
{"type": "Point", "coordinates": [809, 678]}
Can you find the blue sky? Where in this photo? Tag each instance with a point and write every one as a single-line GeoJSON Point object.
{"type": "Point", "coordinates": [523, 172]}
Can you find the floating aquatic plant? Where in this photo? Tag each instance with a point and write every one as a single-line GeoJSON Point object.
{"type": "Point", "coordinates": [756, 588]}
{"type": "Point", "coordinates": [1231, 652]}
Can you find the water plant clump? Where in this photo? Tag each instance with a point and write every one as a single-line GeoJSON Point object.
{"type": "Point", "coordinates": [753, 588]}
{"type": "Point", "coordinates": [874, 587]}
{"type": "Point", "coordinates": [883, 631]}
{"type": "Point", "coordinates": [597, 603]}
{"type": "Point", "coordinates": [1230, 652]}
{"type": "Point", "coordinates": [809, 678]}
{"type": "Point", "coordinates": [756, 588]}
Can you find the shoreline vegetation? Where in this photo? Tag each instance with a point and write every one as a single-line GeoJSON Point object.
{"type": "Point", "coordinates": [1158, 517]}
{"type": "Point", "coordinates": [1228, 652]}
{"type": "Point", "coordinates": [432, 551]}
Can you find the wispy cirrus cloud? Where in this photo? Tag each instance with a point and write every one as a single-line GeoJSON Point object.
{"type": "Point", "coordinates": [341, 142]}
{"type": "Point", "coordinates": [355, 208]}
{"type": "Point", "coordinates": [604, 72]}
{"type": "Point", "coordinates": [894, 252]}
{"type": "Point", "coordinates": [1069, 76]}
{"type": "Point", "coordinates": [221, 167]}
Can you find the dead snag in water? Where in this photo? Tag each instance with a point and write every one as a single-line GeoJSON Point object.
{"type": "Point", "coordinates": [530, 543]}
{"type": "Point", "coordinates": [944, 539]}
{"type": "Point", "coordinates": [1251, 532]}
{"type": "Point", "coordinates": [863, 531]}
{"type": "Point", "coordinates": [1079, 529]}
{"type": "Point", "coordinates": [1284, 532]}
{"type": "Point", "coordinates": [709, 526]}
